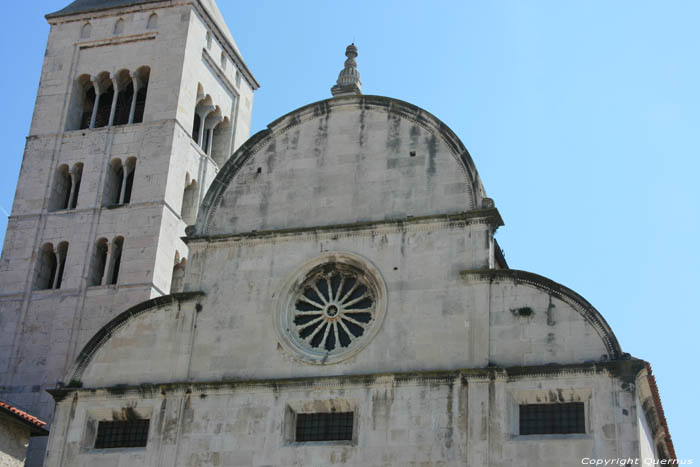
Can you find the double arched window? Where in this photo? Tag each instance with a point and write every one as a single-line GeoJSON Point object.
{"type": "Point", "coordinates": [106, 262]}
{"type": "Point", "coordinates": [66, 187]}
{"type": "Point", "coordinates": [119, 182]}
{"type": "Point", "coordinates": [50, 266]}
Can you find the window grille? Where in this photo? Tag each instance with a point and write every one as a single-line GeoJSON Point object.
{"type": "Point", "coordinates": [122, 434]}
{"type": "Point", "coordinates": [550, 419]}
{"type": "Point", "coordinates": [329, 426]}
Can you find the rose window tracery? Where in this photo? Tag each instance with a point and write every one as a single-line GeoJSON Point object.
{"type": "Point", "coordinates": [333, 308]}
{"type": "Point", "coordinates": [330, 308]}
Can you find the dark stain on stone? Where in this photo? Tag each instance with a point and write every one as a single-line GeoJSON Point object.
{"type": "Point", "coordinates": [161, 415]}
{"type": "Point", "coordinates": [270, 155]}
{"type": "Point", "coordinates": [393, 140]}
{"type": "Point", "coordinates": [295, 140]}
{"type": "Point", "coordinates": [449, 432]}
{"type": "Point", "coordinates": [321, 140]}
{"type": "Point", "coordinates": [382, 400]}
{"type": "Point", "coordinates": [550, 313]}
{"type": "Point", "coordinates": [362, 128]}
{"type": "Point", "coordinates": [463, 417]}
{"type": "Point", "coordinates": [414, 133]}
{"type": "Point", "coordinates": [432, 144]}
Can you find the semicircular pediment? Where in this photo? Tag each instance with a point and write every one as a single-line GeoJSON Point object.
{"type": "Point", "coordinates": [341, 161]}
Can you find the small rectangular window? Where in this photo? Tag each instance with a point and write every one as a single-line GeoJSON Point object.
{"type": "Point", "coordinates": [550, 419]}
{"type": "Point", "coordinates": [330, 426]}
{"type": "Point", "coordinates": [122, 434]}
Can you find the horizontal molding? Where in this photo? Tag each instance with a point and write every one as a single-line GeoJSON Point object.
{"type": "Point", "coordinates": [409, 224]}
{"type": "Point", "coordinates": [625, 369]}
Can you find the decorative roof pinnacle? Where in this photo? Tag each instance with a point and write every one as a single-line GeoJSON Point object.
{"type": "Point", "coordinates": [349, 78]}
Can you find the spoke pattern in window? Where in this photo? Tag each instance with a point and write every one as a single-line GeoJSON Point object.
{"type": "Point", "coordinates": [333, 308]}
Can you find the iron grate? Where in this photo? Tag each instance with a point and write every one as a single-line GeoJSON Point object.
{"type": "Point", "coordinates": [329, 426]}
{"type": "Point", "coordinates": [122, 434]}
{"type": "Point", "coordinates": [549, 419]}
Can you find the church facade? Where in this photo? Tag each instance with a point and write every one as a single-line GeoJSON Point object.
{"type": "Point", "coordinates": [338, 297]}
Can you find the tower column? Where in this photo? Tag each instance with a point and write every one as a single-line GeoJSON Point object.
{"type": "Point", "coordinates": [98, 92]}
{"type": "Point", "coordinates": [113, 110]}
{"type": "Point", "coordinates": [137, 86]}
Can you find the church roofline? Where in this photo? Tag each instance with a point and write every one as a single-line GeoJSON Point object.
{"type": "Point", "coordinates": [89, 6]}
{"type": "Point", "coordinates": [314, 110]}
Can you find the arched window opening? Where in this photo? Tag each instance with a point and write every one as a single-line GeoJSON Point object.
{"type": "Point", "coordinates": [76, 177]}
{"type": "Point", "coordinates": [88, 107]}
{"type": "Point", "coordinates": [238, 79]}
{"type": "Point", "coordinates": [221, 142]}
{"type": "Point", "coordinates": [115, 260]}
{"type": "Point", "coordinates": [208, 40]}
{"type": "Point", "coordinates": [60, 196]}
{"type": "Point", "coordinates": [143, 76]}
{"type": "Point", "coordinates": [223, 60]}
{"type": "Point", "coordinates": [86, 31]}
{"type": "Point", "coordinates": [202, 110]}
{"type": "Point", "coordinates": [125, 95]}
{"type": "Point", "coordinates": [46, 268]}
{"type": "Point", "coordinates": [119, 26]}
{"type": "Point", "coordinates": [82, 104]}
{"type": "Point", "coordinates": [177, 284]}
{"type": "Point", "coordinates": [99, 260]}
{"type": "Point", "coordinates": [104, 101]}
{"type": "Point", "coordinates": [197, 123]}
{"type": "Point", "coordinates": [113, 183]}
{"type": "Point", "coordinates": [189, 202]}
{"type": "Point", "coordinates": [195, 128]}
{"type": "Point", "coordinates": [129, 180]}
{"type": "Point", "coordinates": [152, 21]}
{"type": "Point", "coordinates": [62, 251]}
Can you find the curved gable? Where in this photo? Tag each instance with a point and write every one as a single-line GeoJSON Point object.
{"type": "Point", "coordinates": [341, 161]}
{"type": "Point", "coordinates": [534, 320]}
{"type": "Point", "coordinates": [133, 335]}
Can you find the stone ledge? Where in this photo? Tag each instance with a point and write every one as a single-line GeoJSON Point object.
{"type": "Point", "coordinates": [624, 369]}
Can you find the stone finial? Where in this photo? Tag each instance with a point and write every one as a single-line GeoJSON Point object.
{"type": "Point", "coordinates": [349, 79]}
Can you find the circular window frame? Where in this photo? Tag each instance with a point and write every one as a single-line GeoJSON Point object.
{"type": "Point", "coordinates": [285, 310]}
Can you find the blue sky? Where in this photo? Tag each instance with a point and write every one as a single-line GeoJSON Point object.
{"type": "Point", "coordinates": [582, 119]}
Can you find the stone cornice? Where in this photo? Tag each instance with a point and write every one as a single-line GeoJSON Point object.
{"type": "Point", "coordinates": [489, 216]}
{"type": "Point", "coordinates": [624, 369]}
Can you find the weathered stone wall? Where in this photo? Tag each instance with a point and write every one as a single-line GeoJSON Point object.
{"type": "Point", "coordinates": [426, 419]}
{"type": "Point", "coordinates": [14, 439]}
{"type": "Point", "coordinates": [345, 160]}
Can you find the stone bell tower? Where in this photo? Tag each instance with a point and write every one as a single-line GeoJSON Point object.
{"type": "Point", "coordinates": [140, 104]}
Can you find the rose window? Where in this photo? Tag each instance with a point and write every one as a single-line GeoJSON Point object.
{"type": "Point", "coordinates": [333, 308]}
{"type": "Point", "coordinates": [330, 308]}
